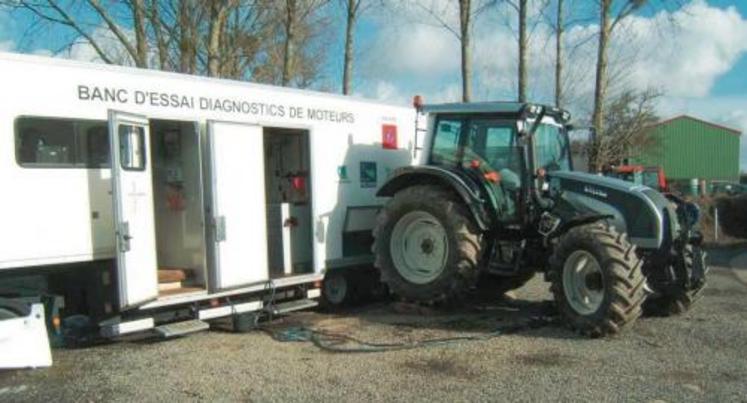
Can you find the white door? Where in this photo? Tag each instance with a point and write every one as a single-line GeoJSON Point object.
{"type": "Point", "coordinates": [237, 209]}
{"type": "Point", "coordinates": [132, 194]}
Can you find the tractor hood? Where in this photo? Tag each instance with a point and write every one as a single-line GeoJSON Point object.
{"type": "Point", "coordinates": [641, 211]}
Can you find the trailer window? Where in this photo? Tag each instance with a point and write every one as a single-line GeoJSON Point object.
{"type": "Point", "coordinates": [45, 142]}
{"type": "Point", "coordinates": [61, 143]}
{"type": "Point", "coordinates": [132, 147]}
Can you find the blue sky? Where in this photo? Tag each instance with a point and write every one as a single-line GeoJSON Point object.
{"type": "Point", "coordinates": [701, 66]}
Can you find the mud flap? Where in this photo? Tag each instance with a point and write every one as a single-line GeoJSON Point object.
{"type": "Point", "coordinates": [24, 342]}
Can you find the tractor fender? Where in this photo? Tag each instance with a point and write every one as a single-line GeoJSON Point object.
{"type": "Point", "coordinates": [573, 222]}
{"type": "Point", "coordinates": [405, 177]}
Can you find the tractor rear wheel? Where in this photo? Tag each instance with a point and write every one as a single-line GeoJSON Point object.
{"type": "Point", "coordinates": [673, 301]}
{"type": "Point", "coordinates": [426, 245]}
{"type": "Point", "coordinates": [596, 279]}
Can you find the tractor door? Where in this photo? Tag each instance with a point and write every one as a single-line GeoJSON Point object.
{"type": "Point", "coordinates": [132, 195]}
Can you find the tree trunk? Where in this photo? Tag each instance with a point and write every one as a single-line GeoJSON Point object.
{"type": "Point", "coordinates": [155, 22]}
{"type": "Point", "coordinates": [187, 38]}
{"type": "Point", "coordinates": [523, 50]}
{"type": "Point", "coordinates": [465, 11]}
{"type": "Point", "coordinates": [141, 40]}
{"type": "Point", "coordinates": [218, 14]}
{"type": "Point", "coordinates": [559, 30]}
{"type": "Point", "coordinates": [347, 71]}
{"type": "Point", "coordinates": [600, 90]}
{"type": "Point", "coordinates": [290, 32]}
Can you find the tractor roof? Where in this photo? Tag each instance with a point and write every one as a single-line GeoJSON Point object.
{"type": "Point", "coordinates": [497, 107]}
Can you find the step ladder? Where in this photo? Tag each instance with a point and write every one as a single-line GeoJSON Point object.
{"type": "Point", "coordinates": [285, 307]}
{"type": "Point", "coordinates": [181, 328]}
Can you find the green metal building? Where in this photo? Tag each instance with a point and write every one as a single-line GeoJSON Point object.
{"type": "Point", "coordinates": [690, 148]}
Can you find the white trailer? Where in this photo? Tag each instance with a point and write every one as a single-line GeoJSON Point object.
{"type": "Point", "coordinates": [149, 200]}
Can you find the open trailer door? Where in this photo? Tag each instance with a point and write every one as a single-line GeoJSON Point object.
{"type": "Point", "coordinates": [237, 250]}
{"type": "Point", "coordinates": [132, 194]}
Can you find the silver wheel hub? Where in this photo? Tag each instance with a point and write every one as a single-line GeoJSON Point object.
{"type": "Point", "coordinates": [335, 288]}
{"type": "Point", "coordinates": [583, 282]}
{"type": "Point", "coordinates": [419, 247]}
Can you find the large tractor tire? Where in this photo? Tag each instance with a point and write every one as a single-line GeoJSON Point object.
{"type": "Point", "coordinates": [596, 280]}
{"type": "Point", "coordinates": [427, 247]}
{"type": "Point", "coordinates": [673, 301]}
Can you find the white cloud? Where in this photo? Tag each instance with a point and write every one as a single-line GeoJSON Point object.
{"type": "Point", "coordinates": [685, 58]}
{"type": "Point", "coordinates": [682, 59]}
{"type": "Point", "coordinates": [82, 50]}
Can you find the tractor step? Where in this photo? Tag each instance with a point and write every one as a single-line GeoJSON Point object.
{"type": "Point", "coordinates": [181, 328]}
{"type": "Point", "coordinates": [291, 306]}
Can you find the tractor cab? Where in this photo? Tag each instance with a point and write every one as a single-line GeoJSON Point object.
{"type": "Point", "coordinates": [498, 153]}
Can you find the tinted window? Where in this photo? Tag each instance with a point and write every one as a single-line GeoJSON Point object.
{"type": "Point", "coordinates": [53, 142]}
{"type": "Point", "coordinates": [446, 142]}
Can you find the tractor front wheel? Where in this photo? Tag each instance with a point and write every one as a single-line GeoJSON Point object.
{"type": "Point", "coordinates": [596, 280]}
{"type": "Point", "coordinates": [676, 299]}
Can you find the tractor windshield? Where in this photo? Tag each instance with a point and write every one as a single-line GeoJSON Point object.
{"type": "Point", "coordinates": [552, 151]}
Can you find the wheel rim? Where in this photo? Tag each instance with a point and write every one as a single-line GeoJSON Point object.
{"type": "Point", "coordinates": [583, 282]}
{"type": "Point", "coordinates": [419, 247]}
{"type": "Point", "coordinates": [335, 289]}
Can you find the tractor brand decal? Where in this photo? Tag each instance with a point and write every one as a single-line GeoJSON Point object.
{"type": "Point", "coordinates": [369, 177]}
{"type": "Point", "coordinates": [342, 174]}
{"type": "Point", "coordinates": [595, 191]}
{"type": "Point", "coordinates": [241, 105]}
{"type": "Point", "coordinates": [389, 137]}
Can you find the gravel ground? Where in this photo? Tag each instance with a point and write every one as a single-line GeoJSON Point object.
{"type": "Point", "coordinates": [699, 356]}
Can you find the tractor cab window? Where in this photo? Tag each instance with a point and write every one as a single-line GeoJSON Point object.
{"type": "Point", "coordinates": [446, 142]}
{"type": "Point", "coordinates": [552, 151]}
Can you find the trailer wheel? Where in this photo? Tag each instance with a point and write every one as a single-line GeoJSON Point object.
{"type": "Point", "coordinates": [596, 280]}
{"type": "Point", "coordinates": [674, 300]}
{"type": "Point", "coordinates": [426, 245]}
{"type": "Point", "coordinates": [337, 290]}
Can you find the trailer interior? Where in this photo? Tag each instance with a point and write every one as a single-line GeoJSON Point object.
{"type": "Point", "coordinates": [288, 197]}
{"type": "Point", "coordinates": [178, 207]}
{"type": "Point", "coordinates": [179, 214]}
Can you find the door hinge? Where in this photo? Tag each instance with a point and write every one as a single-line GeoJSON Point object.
{"type": "Point", "coordinates": [220, 229]}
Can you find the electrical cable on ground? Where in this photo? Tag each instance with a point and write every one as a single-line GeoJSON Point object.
{"type": "Point", "coordinates": [335, 342]}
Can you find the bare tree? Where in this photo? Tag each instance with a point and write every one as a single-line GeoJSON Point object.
{"type": "Point", "coordinates": [468, 13]}
{"type": "Point", "coordinates": [218, 13]}
{"type": "Point", "coordinates": [559, 31]}
{"type": "Point", "coordinates": [465, 14]}
{"type": "Point", "coordinates": [520, 6]}
{"type": "Point", "coordinates": [157, 27]}
{"type": "Point", "coordinates": [352, 9]}
{"type": "Point", "coordinates": [625, 133]}
{"type": "Point", "coordinates": [607, 24]}
{"type": "Point", "coordinates": [139, 51]}
{"type": "Point", "coordinates": [296, 12]}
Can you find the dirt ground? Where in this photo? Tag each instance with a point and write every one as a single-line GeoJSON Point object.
{"type": "Point", "coordinates": [699, 356]}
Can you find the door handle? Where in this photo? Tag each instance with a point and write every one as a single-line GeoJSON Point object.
{"type": "Point", "coordinates": [125, 237]}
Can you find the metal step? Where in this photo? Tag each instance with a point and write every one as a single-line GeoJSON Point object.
{"type": "Point", "coordinates": [181, 328]}
{"type": "Point", "coordinates": [297, 305]}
